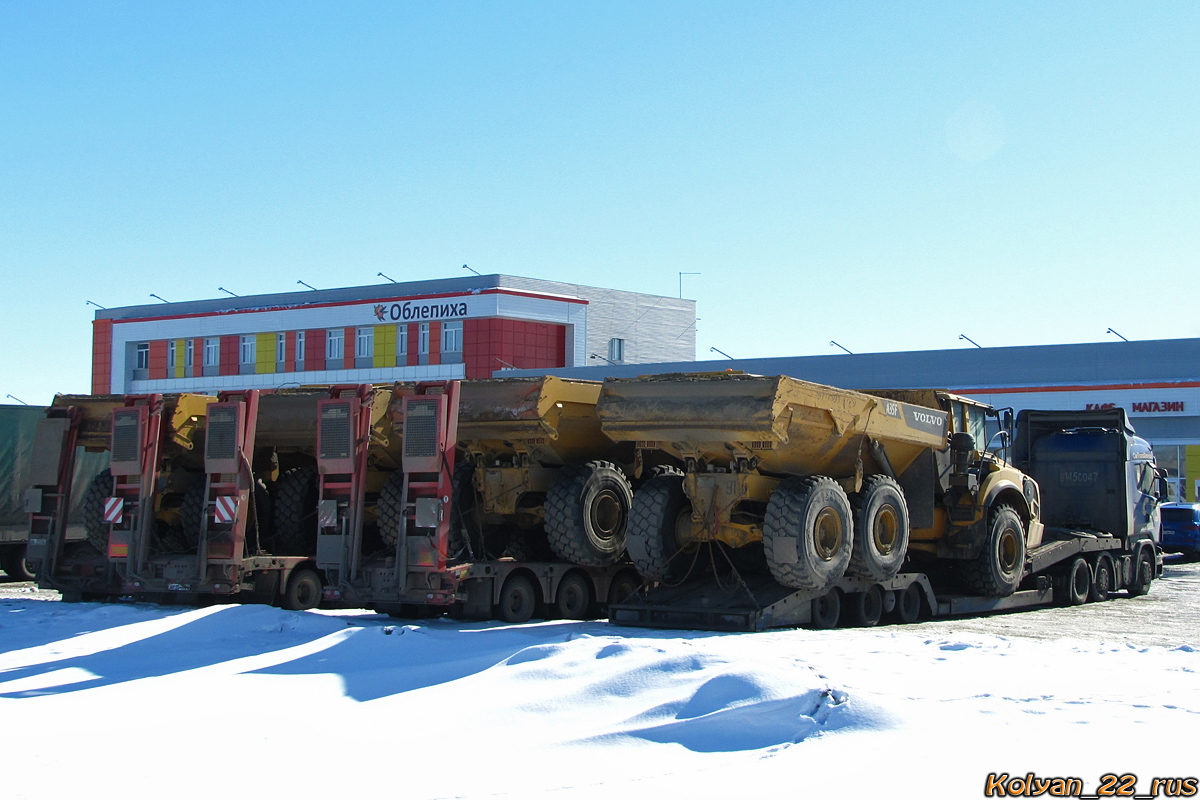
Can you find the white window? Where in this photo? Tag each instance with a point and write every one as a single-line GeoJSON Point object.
{"type": "Point", "coordinates": [364, 343]}
{"type": "Point", "coordinates": [334, 343]}
{"type": "Point", "coordinates": [401, 340]}
{"type": "Point", "coordinates": [616, 350]}
{"type": "Point", "coordinates": [423, 339]}
{"type": "Point", "coordinates": [280, 347]}
{"type": "Point", "coordinates": [187, 352]}
{"type": "Point", "coordinates": [452, 337]}
{"type": "Point", "coordinates": [300, 348]}
{"type": "Point", "coordinates": [143, 355]}
{"type": "Point", "coordinates": [171, 354]}
{"type": "Point", "coordinates": [249, 352]}
{"type": "Point", "coordinates": [212, 352]}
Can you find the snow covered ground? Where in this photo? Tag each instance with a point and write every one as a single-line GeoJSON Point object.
{"type": "Point", "coordinates": [248, 701]}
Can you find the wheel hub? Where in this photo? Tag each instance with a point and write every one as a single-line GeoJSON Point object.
{"type": "Point", "coordinates": [827, 534]}
{"type": "Point", "coordinates": [886, 530]}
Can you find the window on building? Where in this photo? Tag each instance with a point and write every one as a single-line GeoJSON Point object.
{"type": "Point", "coordinates": [364, 343]}
{"type": "Point", "coordinates": [335, 343]}
{"type": "Point", "coordinates": [452, 337]}
{"type": "Point", "coordinates": [187, 353]}
{"type": "Point", "coordinates": [300, 347]}
{"type": "Point", "coordinates": [280, 347]}
{"type": "Point", "coordinates": [171, 354]}
{"type": "Point", "coordinates": [423, 339]}
{"type": "Point", "coordinates": [249, 352]}
{"type": "Point", "coordinates": [143, 356]}
{"type": "Point", "coordinates": [212, 352]}
{"type": "Point", "coordinates": [616, 350]}
{"type": "Point", "coordinates": [402, 340]}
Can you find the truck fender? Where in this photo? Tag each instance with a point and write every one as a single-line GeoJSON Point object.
{"type": "Point", "coordinates": [1005, 491]}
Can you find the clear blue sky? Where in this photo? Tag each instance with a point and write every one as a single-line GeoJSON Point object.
{"type": "Point", "coordinates": [888, 175]}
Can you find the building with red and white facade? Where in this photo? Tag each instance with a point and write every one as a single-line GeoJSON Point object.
{"type": "Point", "coordinates": [467, 327]}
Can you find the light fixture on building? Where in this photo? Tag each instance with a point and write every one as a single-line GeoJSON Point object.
{"type": "Point", "coordinates": [602, 358]}
{"type": "Point", "coordinates": [681, 281]}
{"type": "Point", "coordinates": [969, 339]}
{"type": "Point", "coordinates": [380, 274]}
{"type": "Point", "coordinates": [722, 352]}
{"type": "Point", "coordinates": [156, 297]}
{"type": "Point", "coordinates": [832, 343]}
{"type": "Point", "coordinates": [90, 303]}
{"type": "Point", "coordinates": [1114, 333]}
{"type": "Point", "coordinates": [19, 400]}
{"type": "Point", "coordinates": [505, 363]}
{"type": "Point", "coordinates": [302, 283]}
{"type": "Point", "coordinates": [226, 291]}
{"type": "Point", "coordinates": [468, 268]}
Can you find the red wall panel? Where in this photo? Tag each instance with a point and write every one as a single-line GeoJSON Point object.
{"type": "Point", "coordinates": [229, 355]}
{"type": "Point", "coordinates": [314, 349]}
{"type": "Point", "coordinates": [158, 360]}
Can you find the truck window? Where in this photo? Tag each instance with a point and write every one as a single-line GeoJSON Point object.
{"type": "Point", "coordinates": [1146, 478]}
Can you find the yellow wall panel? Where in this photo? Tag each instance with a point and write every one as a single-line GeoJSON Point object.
{"type": "Point", "coordinates": [385, 346]}
{"type": "Point", "coordinates": [264, 353]}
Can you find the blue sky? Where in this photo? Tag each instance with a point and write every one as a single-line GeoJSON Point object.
{"type": "Point", "coordinates": [887, 175]}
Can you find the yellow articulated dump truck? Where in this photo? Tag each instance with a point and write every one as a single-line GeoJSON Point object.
{"type": "Point", "coordinates": [536, 478]}
{"type": "Point", "coordinates": [795, 499]}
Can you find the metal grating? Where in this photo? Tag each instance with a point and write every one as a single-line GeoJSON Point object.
{"type": "Point", "coordinates": [336, 436]}
{"type": "Point", "coordinates": [127, 436]}
{"type": "Point", "coordinates": [220, 442]}
{"type": "Point", "coordinates": [421, 428]}
{"type": "Point", "coordinates": [762, 445]}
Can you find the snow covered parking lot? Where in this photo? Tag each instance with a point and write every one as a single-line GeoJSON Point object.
{"type": "Point", "coordinates": [139, 701]}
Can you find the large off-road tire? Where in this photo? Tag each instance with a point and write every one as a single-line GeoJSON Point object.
{"type": "Point", "coordinates": [99, 490]}
{"type": "Point", "coordinates": [880, 530]}
{"type": "Point", "coordinates": [1143, 572]}
{"type": "Point", "coordinates": [296, 513]}
{"type": "Point", "coordinates": [807, 533]}
{"type": "Point", "coordinates": [389, 509]}
{"type": "Point", "coordinates": [864, 609]}
{"type": "Point", "coordinates": [587, 511]}
{"type": "Point", "coordinates": [998, 569]}
{"type": "Point", "coordinates": [1104, 578]}
{"type": "Point", "coordinates": [304, 591]}
{"type": "Point", "coordinates": [15, 565]}
{"type": "Point", "coordinates": [659, 508]}
{"type": "Point", "coordinates": [518, 599]}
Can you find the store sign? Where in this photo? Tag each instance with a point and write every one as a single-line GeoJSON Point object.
{"type": "Point", "coordinates": [1143, 407]}
{"type": "Point", "coordinates": [415, 312]}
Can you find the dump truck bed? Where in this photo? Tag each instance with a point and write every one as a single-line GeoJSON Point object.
{"type": "Point", "coordinates": [790, 426]}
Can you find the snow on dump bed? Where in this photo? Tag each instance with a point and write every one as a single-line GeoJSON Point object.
{"type": "Point", "coordinates": [139, 701]}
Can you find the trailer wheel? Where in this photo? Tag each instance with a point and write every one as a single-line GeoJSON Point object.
{"type": "Point", "coordinates": [99, 490]}
{"type": "Point", "coordinates": [518, 599]}
{"type": "Point", "coordinates": [574, 600]}
{"type": "Point", "coordinates": [880, 530]}
{"type": "Point", "coordinates": [826, 609]}
{"type": "Point", "coordinates": [998, 569]}
{"type": "Point", "coordinates": [296, 512]}
{"type": "Point", "coordinates": [1105, 577]}
{"type": "Point", "coordinates": [908, 604]}
{"type": "Point", "coordinates": [1143, 573]}
{"type": "Point", "coordinates": [865, 609]}
{"type": "Point", "coordinates": [1076, 583]}
{"type": "Point", "coordinates": [623, 587]}
{"type": "Point", "coordinates": [15, 565]}
{"type": "Point", "coordinates": [304, 591]}
{"type": "Point", "coordinates": [659, 508]}
{"type": "Point", "coordinates": [807, 533]}
{"type": "Point", "coordinates": [587, 510]}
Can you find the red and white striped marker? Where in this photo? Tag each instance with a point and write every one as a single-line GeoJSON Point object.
{"type": "Point", "coordinates": [113, 506]}
{"type": "Point", "coordinates": [225, 509]}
